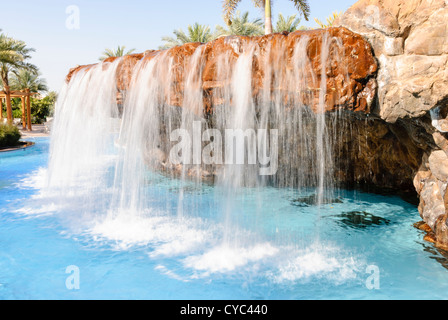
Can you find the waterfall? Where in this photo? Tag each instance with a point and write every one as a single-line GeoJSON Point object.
{"type": "Point", "coordinates": [82, 148]}
{"type": "Point", "coordinates": [265, 125]}
{"type": "Point", "coordinates": [87, 118]}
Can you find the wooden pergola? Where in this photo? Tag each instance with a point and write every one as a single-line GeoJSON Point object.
{"type": "Point", "coordinates": [24, 95]}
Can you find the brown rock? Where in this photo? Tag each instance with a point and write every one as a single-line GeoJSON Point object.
{"type": "Point", "coordinates": [430, 237]}
{"type": "Point", "coordinates": [438, 164]}
{"type": "Point", "coordinates": [441, 232]}
{"type": "Point", "coordinates": [429, 38]}
{"type": "Point", "coordinates": [441, 141]}
{"type": "Point", "coordinates": [411, 43]}
{"type": "Point", "coordinates": [421, 225]}
{"type": "Point", "coordinates": [350, 71]}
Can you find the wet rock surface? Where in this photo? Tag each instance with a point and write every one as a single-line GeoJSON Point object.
{"type": "Point", "coordinates": [349, 71]}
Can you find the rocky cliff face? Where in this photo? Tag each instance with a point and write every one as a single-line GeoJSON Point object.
{"type": "Point", "coordinates": [410, 41]}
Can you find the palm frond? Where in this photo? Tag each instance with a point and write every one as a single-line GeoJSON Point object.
{"type": "Point", "coordinates": [259, 3]}
{"type": "Point", "coordinates": [119, 52]}
{"type": "Point", "coordinates": [330, 20]}
{"type": "Point", "coordinates": [229, 7]}
{"type": "Point", "coordinates": [241, 26]}
{"type": "Point", "coordinates": [13, 56]}
{"type": "Point", "coordinates": [25, 79]}
{"type": "Point", "coordinates": [303, 7]}
{"type": "Point", "coordinates": [289, 24]}
{"type": "Point", "coordinates": [195, 33]}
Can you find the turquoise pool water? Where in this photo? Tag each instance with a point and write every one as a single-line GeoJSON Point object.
{"type": "Point", "coordinates": [270, 243]}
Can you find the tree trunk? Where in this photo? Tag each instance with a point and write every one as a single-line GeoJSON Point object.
{"type": "Point", "coordinates": [23, 114]}
{"type": "Point", "coordinates": [28, 109]}
{"type": "Point", "coordinates": [8, 104]}
{"type": "Point", "coordinates": [268, 17]}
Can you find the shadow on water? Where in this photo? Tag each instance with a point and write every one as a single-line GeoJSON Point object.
{"type": "Point", "coordinates": [409, 195]}
{"type": "Point", "coordinates": [359, 219]}
{"type": "Point", "coordinates": [437, 254]}
{"type": "Point", "coordinates": [312, 200]}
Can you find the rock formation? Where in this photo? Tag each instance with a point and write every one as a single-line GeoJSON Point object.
{"type": "Point", "coordinates": [410, 41]}
{"type": "Point", "coordinates": [355, 93]}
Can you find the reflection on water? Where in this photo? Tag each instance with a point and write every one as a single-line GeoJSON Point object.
{"type": "Point", "coordinates": [313, 199]}
{"type": "Point", "coordinates": [439, 255]}
{"type": "Point", "coordinates": [360, 219]}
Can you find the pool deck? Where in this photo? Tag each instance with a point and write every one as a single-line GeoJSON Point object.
{"type": "Point", "coordinates": [38, 131]}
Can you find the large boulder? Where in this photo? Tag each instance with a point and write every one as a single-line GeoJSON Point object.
{"type": "Point", "coordinates": [410, 40]}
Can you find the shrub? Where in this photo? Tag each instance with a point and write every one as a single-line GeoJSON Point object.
{"type": "Point", "coordinates": [9, 135]}
{"type": "Point", "coordinates": [42, 108]}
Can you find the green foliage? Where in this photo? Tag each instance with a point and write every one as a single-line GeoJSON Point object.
{"type": "Point", "coordinates": [16, 108]}
{"type": "Point", "coordinates": [9, 135]}
{"type": "Point", "coordinates": [289, 24]}
{"type": "Point", "coordinates": [52, 97]}
{"type": "Point", "coordinates": [119, 52]}
{"type": "Point", "coordinates": [13, 56]}
{"type": "Point", "coordinates": [330, 20]}
{"type": "Point", "coordinates": [42, 108]}
{"type": "Point", "coordinates": [195, 33]}
{"type": "Point", "coordinates": [16, 113]}
{"type": "Point", "coordinates": [229, 7]}
{"type": "Point", "coordinates": [241, 26]}
{"type": "Point", "coordinates": [13, 60]}
{"type": "Point", "coordinates": [24, 79]}
{"type": "Point", "coordinates": [303, 7]}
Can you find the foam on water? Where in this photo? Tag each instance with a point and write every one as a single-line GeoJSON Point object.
{"type": "Point", "coordinates": [166, 236]}
{"type": "Point", "coordinates": [318, 262]}
{"type": "Point", "coordinates": [224, 258]}
{"type": "Point", "coordinates": [35, 180]}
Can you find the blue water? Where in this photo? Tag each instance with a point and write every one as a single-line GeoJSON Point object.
{"type": "Point", "coordinates": [278, 245]}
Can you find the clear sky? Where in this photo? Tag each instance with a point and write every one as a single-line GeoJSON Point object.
{"type": "Point", "coordinates": [138, 24]}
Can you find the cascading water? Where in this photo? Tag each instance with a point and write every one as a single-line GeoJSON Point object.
{"type": "Point", "coordinates": [82, 150]}
{"type": "Point", "coordinates": [117, 165]}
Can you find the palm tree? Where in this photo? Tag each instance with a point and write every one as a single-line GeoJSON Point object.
{"type": "Point", "coordinates": [119, 52]}
{"type": "Point", "coordinates": [289, 24]}
{"type": "Point", "coordinates": [241, 26]}
{"type": "Point", "coordinates": [24, 79]}
{"type": "Point", "coordinates": [13, 56]}
{"type": "Point", "coordinates": [196, 33]}
{"type": "Point", "coordinates": [229, 7]}
{"type": "Point", "coordinates": [330, 20]}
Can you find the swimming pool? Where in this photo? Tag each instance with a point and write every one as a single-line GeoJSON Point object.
{"type": "Point", "coordinates": [192, 243]}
